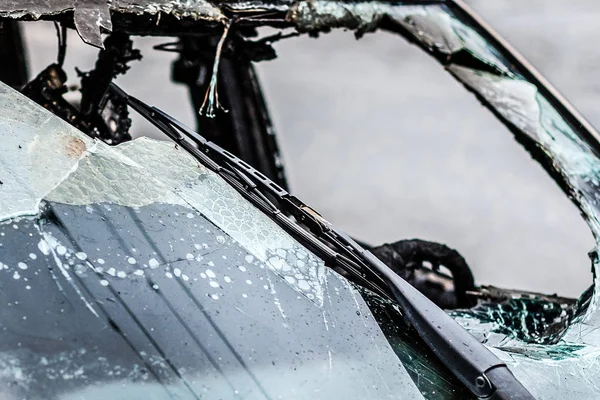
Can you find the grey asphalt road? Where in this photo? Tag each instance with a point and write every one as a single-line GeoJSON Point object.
{"type": "Point", "coordinates": [379, 139]}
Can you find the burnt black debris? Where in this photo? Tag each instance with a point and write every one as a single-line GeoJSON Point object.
{"type": "Point", "coordinates": [408, 257]}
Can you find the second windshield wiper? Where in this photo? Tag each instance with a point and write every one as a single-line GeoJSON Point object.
{"type": "Point", "coordinates": [484, 374]}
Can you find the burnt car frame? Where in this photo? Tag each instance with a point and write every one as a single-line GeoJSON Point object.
{"type": "Point", "coordinates": [516, 326]}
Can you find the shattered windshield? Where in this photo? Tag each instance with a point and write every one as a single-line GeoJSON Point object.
{"type": "Point", "coordinates": [560, 362]}
{"type": "Point", "coordinates": [135, 272]}
{"type": "Point", "coordinates": [100, 229]}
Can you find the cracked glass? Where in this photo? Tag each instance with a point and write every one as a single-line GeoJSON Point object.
{"type": "Point", "coordinates": [114, 240]}
{"type": "Point", "coordinates": [134, 272]}
{"type": "Point", "coordinates": [551, 347]}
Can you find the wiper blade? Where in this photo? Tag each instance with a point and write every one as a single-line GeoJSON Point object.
{"type": "Point", "coordinates": [484, 374]}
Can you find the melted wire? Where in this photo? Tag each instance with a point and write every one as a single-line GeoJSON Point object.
{"type": "Point", "coordinates": [211, 99]}
{"type": "Point", "coordinates": [61, 33]}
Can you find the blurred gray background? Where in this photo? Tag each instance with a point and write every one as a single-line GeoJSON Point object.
{"type": "Point", "coordinates": [379, 139]}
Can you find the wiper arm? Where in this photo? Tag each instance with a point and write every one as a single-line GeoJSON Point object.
{"type": "Point", "coordinates": [484, 374]}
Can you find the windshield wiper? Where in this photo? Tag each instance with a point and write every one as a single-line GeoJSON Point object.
{"type": "Point", "coordinates": [484, 374]}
